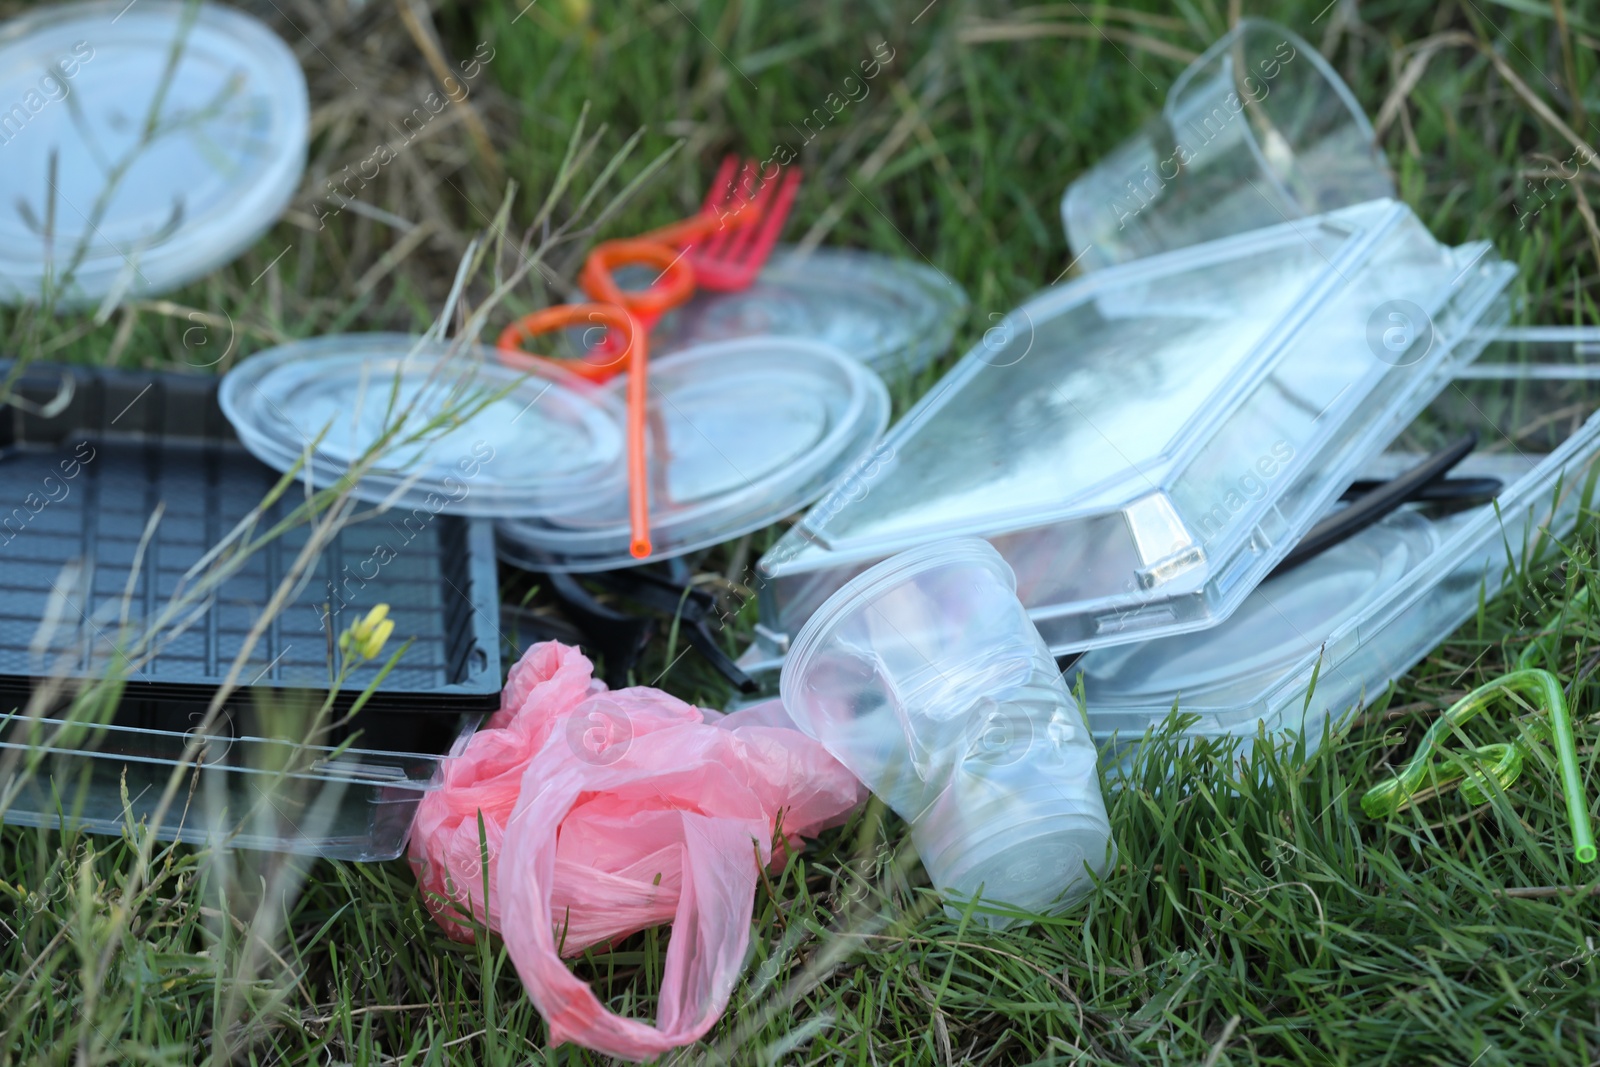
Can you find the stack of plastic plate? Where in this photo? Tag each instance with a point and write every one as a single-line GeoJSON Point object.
{"type": "Point", "coordinates": [429, 425]}
{"type": "Point", "coordinates": [144, 145]}
{"type": "Point", "coordinates": [742, 433]}
{"type": "Point", "coordinates": [891, 314]}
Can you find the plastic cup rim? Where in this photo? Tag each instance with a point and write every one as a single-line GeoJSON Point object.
{"type": "Point", "coordinates": [1330, 78]}
{"type": "Point", "coordinates": [875, 581]}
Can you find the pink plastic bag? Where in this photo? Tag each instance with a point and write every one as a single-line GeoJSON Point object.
{"type": "Point", "coordinates": [606, 812]}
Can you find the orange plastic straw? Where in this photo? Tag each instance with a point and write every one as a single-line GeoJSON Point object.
{"type": "Point", "coordinates": [674, 287]}
{"type": "Point", "coordinates": [701, 225]}
{"type": "Point", "coordinates": [560, 317]}
{"type": "Point", "coordinates": [628, 315]}
{"type": "Point", "coordinates": [620, 321]}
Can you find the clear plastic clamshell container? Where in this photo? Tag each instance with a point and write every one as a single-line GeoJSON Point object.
{"type": "Point", "coordinates": [1143, 445]}
{"type": "Point", "coordinates": [1361, 614]}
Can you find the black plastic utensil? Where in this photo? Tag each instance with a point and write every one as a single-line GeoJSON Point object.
{"type": "Point", "coordinates": [1460, 491]}
{"type": "Point", "coordinates": [1369, 507]}
{"type": "Point", "coordinates": [621, 637]}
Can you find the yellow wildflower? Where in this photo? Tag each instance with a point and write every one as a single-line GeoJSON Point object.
{"type": "Point", "coordinates": [366, 638]}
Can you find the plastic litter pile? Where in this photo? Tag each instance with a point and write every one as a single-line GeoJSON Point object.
{"type": "Point", "coordinates": [1257, 460]}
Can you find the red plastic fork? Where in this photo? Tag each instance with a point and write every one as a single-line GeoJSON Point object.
{"type": "Point", "coordinates": [723, 246]}
{"type": "Point", "coordinates": [729, 240]}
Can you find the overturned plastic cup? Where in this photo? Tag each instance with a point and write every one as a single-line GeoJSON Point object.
{"type": "Point", "coordinates": [925, 677]}
{"type": "Point", "coordinates": [1258, 131]}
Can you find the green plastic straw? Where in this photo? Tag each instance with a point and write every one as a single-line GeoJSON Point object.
{"type": "Point", "coordinates": [1502, 762]}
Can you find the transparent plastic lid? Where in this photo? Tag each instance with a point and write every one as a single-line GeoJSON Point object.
{"type": "Point", "coordinates": [892, 314]}
{"type": "Point", "coordinates": [446, 426]}
{"type": "Point", "coordinates": [1142, 445]}
{"type": "Point", "coordinates": [90, 202]}
{"type": "Point", "coordinates": [742, 433]}
{"type": "Point", "coordinates": [1362, 613]}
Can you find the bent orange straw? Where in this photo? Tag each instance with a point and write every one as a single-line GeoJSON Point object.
{"type": "Point", "coordinates": [619, 321]}
{"type": "Point", "coordinates": [672, 287]}
{"type": "Point", "coordinates": [512, 354]}
{"type": "Point", "coordinates": [629, 314]}
{"type": "Point", "coordinates": [707, 221]}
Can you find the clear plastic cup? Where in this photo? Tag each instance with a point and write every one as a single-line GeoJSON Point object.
{"type": "Point", "coordinates": [1258, 131]}
{"type": "Point", "coordinates": [925, 677]}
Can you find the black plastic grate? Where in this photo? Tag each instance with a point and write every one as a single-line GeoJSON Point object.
{"type": "Point", "coordinates": [79, 481]}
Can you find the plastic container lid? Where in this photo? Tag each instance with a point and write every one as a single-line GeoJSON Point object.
{"type": "Point", "coordinates": [1144, 444]}
{"type": "Point", "coordinates": [80, 82]}
{"type": "Point", "coordinates": [515, 443]}
{"type": "Point", "coordinates": [1361, 614]}
{"type": "Point", "coordinates": [892, 314]}
{"type": "Point", "coordinates": [742, 433]}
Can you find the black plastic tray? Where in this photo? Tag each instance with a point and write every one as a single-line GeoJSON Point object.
{"type": "Point", "coordinates": [80, 475]}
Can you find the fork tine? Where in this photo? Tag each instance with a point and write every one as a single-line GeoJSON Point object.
{"type": "Point", "coordinates": [722, 199]}
{"type": "Point", "coordinates": [729, 256]}
{"type": "Point", "coordinates": [733, 196]}
{"type": "Point", "coordinates": [713, 248]}
{"type": "Point", "coordinates": [770, 227]}
{"type": "Point", "coordinates": [748, 192]}
{"type": "Point", "coordinates": [710, 248]}
{"type": "Point", "coordinates": [749, 174]}
{"type": "Point", "coordinates": [735, 245]}
{"type": "Point", "coordinates": [757, 243]}
{"type": "Point", "coordinates": [723, 182]}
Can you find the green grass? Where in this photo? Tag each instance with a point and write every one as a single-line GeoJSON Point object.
{"type": "Point", "coordinates": [1257, 916]}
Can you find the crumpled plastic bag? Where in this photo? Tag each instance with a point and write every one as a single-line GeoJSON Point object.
{"type": "Point", "coordinates": [608, 811]}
